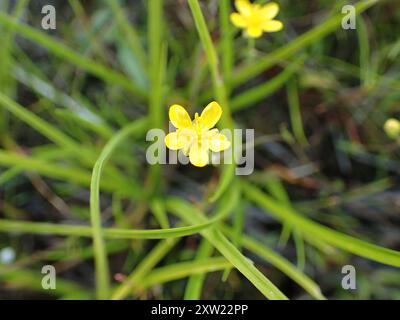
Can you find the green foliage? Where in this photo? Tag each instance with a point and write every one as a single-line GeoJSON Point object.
{"type": "Point", "coordinates": [76, 104]}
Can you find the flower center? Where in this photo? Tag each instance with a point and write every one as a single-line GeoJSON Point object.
{"type": "Point", "coordinates": [256, 17]}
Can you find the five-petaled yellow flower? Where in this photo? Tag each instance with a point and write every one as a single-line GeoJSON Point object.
{"type": "Point", "coordinates": [255, 18]}
{"type": "Point", "coordinates": [196, 137]}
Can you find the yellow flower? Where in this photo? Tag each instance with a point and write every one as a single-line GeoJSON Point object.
{"type": "Point", "coordinates": [256, 18]}
{"type": "Point", "coordinates": [196, 137]}
{"type": "Point", "coordinates": [392, 128]}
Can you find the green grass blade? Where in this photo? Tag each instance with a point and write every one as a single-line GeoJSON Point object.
{"type": "Point", "coordinates": [148, 263]}
{"type": "Point", "coordinates": [195, 283]}
{"type": "Point", "coordinates": [30, 280]}
{"type": "Point", "coordinates": [110, 233]}
{"type": "Point", "coordinates": [295, 113]}
{"type": "Point", "coordinates": [238, 225]}
{"type": "Point", "coordinates": [102, 272]}
{"type": "Point", "coordinates": [365, 62]}
{"type": "Point", "coordinates": [335, 238]}
{"type": "Point", "coordinates": [251, 96]}
{"type": "Point", "coordinates": [226, 248]}
{"type": "Point", "coordinates": [157, 206]}
{"type": "Point", "coordinates": [48, 91]}
{"type": "Point", "coordinates": [60, 50]}
{"type": "Point", "coordinates": [182, 270]}
{"type": "Point", "coordinates": [279, 262]}
{"type": "Point", "coordinates": [63, 172]}
{"type": "Point", "coordinates": [37, 123]}
{"type": "Point", "coordinates": [158, 64]}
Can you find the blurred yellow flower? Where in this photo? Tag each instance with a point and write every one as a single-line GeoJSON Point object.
{"type": "Point", "coordinates": [255, 18]}
{"type": "Point", "coordinates": [392, 128]}
{"type": "Point", "coordinates": [196, 137]}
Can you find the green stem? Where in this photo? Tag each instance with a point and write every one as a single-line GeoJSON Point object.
{"type": "Point", "coordinates": [226, 41]}
{"type": "Point", "coordinates": [295, 114]}
{"type": "Point", "coordinates": [195, 282]}
{"type": "Point", "coordinates": [220, 92]}
{"type": "Point", "coordinates": [158, 57]}
{"type": "Point", "coordinates": [102, 271]}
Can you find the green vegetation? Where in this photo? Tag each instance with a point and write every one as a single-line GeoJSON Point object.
{"type": "Point", "coordinates": [77, 192]}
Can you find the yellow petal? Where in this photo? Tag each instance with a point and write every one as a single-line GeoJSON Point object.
{"type": "Point", "coordinates": [243, 6]}
{"type": "Point", "coordinates": [254, 32]}
{"type": "Point", "coordinates": [238, 20]}
{"type": "Point", "coordinates": [209, 133]}
{"type": "Point", "coordinates": [270, 10]}
{"type": "Point", "coordinates": [175, 140]}
{"type": "Point", "coordinates": [198, 155]}
{"type": "Point", "coordinates": [179, 117]}
{"type": "Point", "coordinates": [218, 142]}
{"type": "Point", "coordinates": [210, 115]}
{"type": "Point", "coordinates": [272, 26]}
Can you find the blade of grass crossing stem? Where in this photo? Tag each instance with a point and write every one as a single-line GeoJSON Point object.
{"type": "Point", "coordinates": [335, 238]}
{"type": "Point", "coordinates": [220, 92]}
{"type": "Point", "coordinates": [102, 272]}
{"type": "Point", "coordinates": [260, 65]}
{"type": "Point", "coordinates": [195, 283]}
{"type": "Point", "coordinates": [279, 262]}
{"type": "Point", "coordinates": [114, 233]}
{"type": "Point", "coordinates": [227, 249]}
{"type": "Point", "coordinates": [60, 50]}
{"type": "Point", "coordinates": [157, 206]}
{"type": "Point", "coordinates": [148, 263]}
